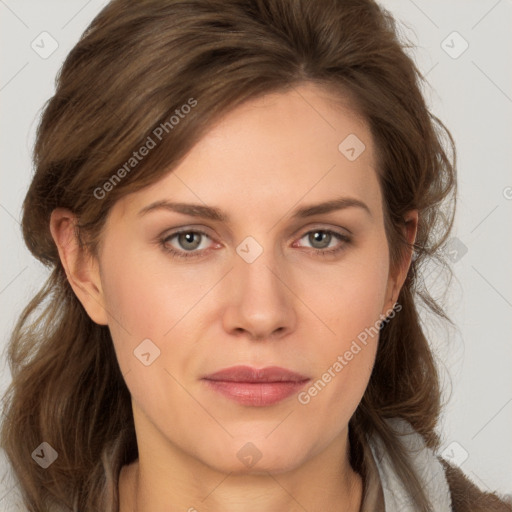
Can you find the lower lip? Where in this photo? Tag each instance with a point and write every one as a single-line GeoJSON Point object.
{"type": "Point", "coordinates": [256, 394]}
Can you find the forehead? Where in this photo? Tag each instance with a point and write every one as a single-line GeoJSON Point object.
{"type": "Point", "coordinates": [303, 145]}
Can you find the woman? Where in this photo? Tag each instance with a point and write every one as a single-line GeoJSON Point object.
{"type": "Point", "coordinates": [234, 197]}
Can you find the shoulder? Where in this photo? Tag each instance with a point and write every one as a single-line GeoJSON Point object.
{"type": "Point", "coordinates": [467, 497]}
{"type": "Point", "coordinates": [446, 485]}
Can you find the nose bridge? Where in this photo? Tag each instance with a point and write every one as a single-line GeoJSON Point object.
{"type": "Point", "coordinates": [261, 302]}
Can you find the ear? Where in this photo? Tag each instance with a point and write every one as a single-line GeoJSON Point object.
{"type": "Point", "coordinates": [397, 278]}
{"type": "Point", "coordinates": [82, 269]}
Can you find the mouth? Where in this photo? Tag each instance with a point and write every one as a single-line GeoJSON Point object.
{"type": "Point", "coordinates": [256, 387]}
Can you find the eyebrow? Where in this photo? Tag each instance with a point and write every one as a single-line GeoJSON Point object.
{"type": "Point", "coordinates": [212, 213]}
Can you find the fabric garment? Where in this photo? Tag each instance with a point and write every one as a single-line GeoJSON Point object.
{"type": "Point", "coordinates": [384, 490]}
{"type": "Point", "coordinates": [446, 486]}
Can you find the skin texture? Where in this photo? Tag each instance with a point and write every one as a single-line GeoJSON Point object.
{"type": "Point", "coordinates": [291, 307]}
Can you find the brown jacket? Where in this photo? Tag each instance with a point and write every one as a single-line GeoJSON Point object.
{"type": "Point", "coordinates": [467, 497]}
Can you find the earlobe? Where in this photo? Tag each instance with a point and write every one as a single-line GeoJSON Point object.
{"type": "Point", "coordinates": [81, 267]}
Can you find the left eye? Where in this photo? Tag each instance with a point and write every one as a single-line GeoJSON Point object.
{"type": "Point", "coordinates": [323, 237]}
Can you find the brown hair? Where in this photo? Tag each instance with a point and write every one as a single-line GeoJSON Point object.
{"type": "Point", "coordinates": [134, 66]}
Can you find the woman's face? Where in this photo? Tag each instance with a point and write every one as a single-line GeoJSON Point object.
{"type": "Point", "coordinates": [261, 276]}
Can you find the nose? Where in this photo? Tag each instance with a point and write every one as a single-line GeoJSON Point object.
{"type": "Point", "coordinates": [261, 303]}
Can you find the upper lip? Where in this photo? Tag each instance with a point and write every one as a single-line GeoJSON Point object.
{"type": "Point", "coordinates": [250, 374]}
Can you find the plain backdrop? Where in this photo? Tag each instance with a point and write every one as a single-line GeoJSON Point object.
{"type": "Point", "coordinates": [465, 49]}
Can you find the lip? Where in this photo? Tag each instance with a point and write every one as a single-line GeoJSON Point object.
{"type": "Point", "coordinates": [256, 387]}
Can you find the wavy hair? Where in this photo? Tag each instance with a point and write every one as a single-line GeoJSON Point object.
{"type": "Point", "coordinates": [136, 64]}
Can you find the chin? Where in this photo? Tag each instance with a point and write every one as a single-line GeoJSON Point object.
{"type": "Point", "coordinates": [240, 456]}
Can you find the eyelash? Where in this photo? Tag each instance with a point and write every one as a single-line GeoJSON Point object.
{"type": "Point", "coordinates": [195, 254]}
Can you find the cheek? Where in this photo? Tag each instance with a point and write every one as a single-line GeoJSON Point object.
{"type": "Point", "coordinates": [138, 299]}
{"type": "Point", "coordinates": [349, 296]}
{"type": "Point", "coordinates": [148, 301]}
{"type": "Point", "coordinates": [146, 294]}
{"type": "Point", "coordinates": [351, 305]}
{"type": "Point", "coordinates": [150, 298]}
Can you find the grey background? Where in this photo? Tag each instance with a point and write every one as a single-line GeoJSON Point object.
{"type": "Point", "coordinates": [471, 91]}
